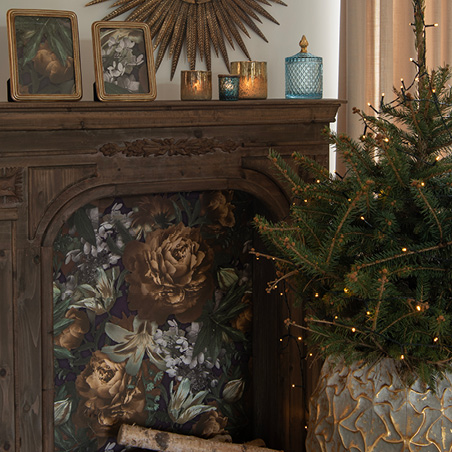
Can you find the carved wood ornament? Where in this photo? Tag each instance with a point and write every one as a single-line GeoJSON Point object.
{"type": "Point", "coordinates": [11, 184]}
{"type": "Point", "coordinates": [201, 24]}
{"type": "Point", "coordinates": [169, 147]}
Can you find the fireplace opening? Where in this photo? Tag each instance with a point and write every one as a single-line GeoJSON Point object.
{"type": "Point", "coordinates": [153, 309]}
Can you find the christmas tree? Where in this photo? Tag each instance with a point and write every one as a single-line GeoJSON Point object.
{"type": "Point", "coordinates": [370, 253]}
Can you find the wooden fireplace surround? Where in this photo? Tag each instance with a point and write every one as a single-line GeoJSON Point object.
{"type": "Point", "coordinates": [57, 157]}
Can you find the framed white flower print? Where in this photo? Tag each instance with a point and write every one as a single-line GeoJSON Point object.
{"type": "Point", "coordinates": [123, 61]}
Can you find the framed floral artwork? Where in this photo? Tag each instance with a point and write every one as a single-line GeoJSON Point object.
{"type": "Point", "coordinates": [123, 61]}
{"type": "Point", "coordinates": [44, 55]}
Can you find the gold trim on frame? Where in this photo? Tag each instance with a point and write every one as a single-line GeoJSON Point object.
{"type": "Point", "coordinates": [118, 71]}
{"type": "Point", "coordinates": [45, 74]}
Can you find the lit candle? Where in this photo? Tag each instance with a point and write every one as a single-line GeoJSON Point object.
{"type": "Point", "coordinates": [253, 78]}
{"type": "Point", "coordinates": [196, 85]}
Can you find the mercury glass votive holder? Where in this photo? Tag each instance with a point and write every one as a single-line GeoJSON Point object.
{"type": "Point", "coordinates": [253, 78]}
{"type": "Point", "coordinates": [196, 85]}
{"type": "Point", "coordinates": [228, 87]}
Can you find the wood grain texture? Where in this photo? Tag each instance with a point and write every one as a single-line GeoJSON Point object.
{"type": "Point", "coordinates": [62, 158]}
{"type": "Point", "coordinates": [118, 115]}
{"type": "Point", "coordinates": [46, 183]}
{"type": "Point", "coordinates": [7, 400]}
{"type": "Point", "coordinates": [27, 347]}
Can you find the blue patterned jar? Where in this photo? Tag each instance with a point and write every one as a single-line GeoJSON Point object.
{"type": "Point", "coordinates": [304, 74]}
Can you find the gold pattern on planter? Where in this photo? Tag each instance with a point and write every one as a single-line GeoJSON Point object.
{"type": "Point", "coordinates": [11, 185]}
{"type": "Point", "coordinates": [367, 408]}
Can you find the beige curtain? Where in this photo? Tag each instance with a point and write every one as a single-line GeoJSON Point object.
{"type": "Point", "coordinates": [377, 43]}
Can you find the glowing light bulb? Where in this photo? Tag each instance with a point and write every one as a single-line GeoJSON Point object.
{"type": "Point", "coordinates": [402, 356]}
{"type": "Point", "coordinates": [404, 250]}
{"type": "Point", "coordinates": [316, 295]}
{"type": "Point", "coordinates": [422, 184]}
{"type": "Point", "coordinates": [353, 330]}
{"type": "Point", "coordinates": [346, 290]}
{"type": "Point", "coordinates": [300, 338]}
{"type": "Point", "coordinates": [436, 339]}
{"type": "Point", "coordinates": [418, 308]}
{"type": "Point", "coordinates": [368, 312]}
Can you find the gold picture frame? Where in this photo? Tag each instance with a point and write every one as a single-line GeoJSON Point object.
{"type": "Point", "coordinates": [44, 55]}
{"type": "Point", "coordinates": [123, 61]}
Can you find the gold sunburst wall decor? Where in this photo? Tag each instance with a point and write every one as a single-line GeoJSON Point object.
{"type": "Point", "coordinates": [200, 24]}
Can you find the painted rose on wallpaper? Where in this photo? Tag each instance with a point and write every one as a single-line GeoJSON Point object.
{"type": "Point", "coordinates": [152, 315]}
{"type": "Point", "coordinates": [153, 213]}
{"type": "Point", "coordinates": [109, 396]}
{"type": "Point", "coordinates": [72, 336]}
{"type": "Point", "coordinates": [218, 208]}
{"type": "Point", "coordinates": [169, 274]}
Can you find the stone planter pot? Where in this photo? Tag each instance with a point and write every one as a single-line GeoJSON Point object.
{"type": "Point", "coordinates": [362, 408]}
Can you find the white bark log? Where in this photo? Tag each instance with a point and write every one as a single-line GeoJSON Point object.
{"type": "Point", "coordinates": [147, 438]}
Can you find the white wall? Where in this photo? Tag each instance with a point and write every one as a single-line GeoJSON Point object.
{"type": "Point", "coordinates": [317, 19]}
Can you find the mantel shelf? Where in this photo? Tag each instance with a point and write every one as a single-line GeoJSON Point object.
{"type": "Point", "coordinates": [28, 116]}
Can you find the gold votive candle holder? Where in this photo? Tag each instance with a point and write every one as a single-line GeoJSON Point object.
{"type": "Point", "coordinates": [228, 86]}
{"type": "Point", "coordinates": [196, 85]}
{"type": "Point", "coordinates": [253, 78]}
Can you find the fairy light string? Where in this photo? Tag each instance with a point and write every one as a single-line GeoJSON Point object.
{"type": "Point", "coordinates": [381, 135]}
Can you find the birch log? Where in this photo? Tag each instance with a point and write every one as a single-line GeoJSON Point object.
{"type": "Point", "coordinates": [147, 438]}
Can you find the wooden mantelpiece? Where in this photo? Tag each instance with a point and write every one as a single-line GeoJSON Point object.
{"type": "Point", "coordinates": [55, 158]}
{"type": "Point", "coordinates": [93, 115]}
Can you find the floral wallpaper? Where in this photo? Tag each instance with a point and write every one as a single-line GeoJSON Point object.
{"type": "Point", "coordinates": [152, 318]}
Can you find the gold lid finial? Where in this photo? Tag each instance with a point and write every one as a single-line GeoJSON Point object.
{"type": "Point", "coordinates": [304, 44]}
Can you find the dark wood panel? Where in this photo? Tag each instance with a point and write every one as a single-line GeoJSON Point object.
{"type": "Point", "coordinates": [28, 349]}
{"type": "Point", "coordinates": [46, 183]}
{"type": "Point", "coordinates": [7, 401]}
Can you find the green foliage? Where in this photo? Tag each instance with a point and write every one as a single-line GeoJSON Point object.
{"type": "Point", "coordinates": [216, 323]}
{"type": "Point", "coordinates": [370, 254]}
{"type": "Point", "coordinates": [32, 30]}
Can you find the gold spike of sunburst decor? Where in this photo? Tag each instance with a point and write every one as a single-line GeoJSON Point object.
{"type": "Point", "coordinates": [200, 24]}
